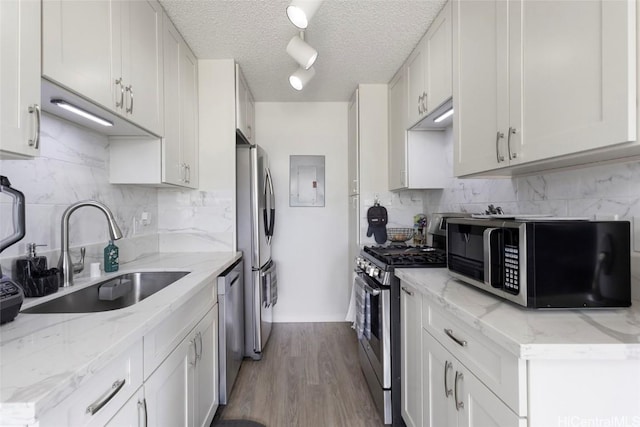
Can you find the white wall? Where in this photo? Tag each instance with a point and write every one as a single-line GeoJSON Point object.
{"type": "Point", "coordinates": [310, 243]}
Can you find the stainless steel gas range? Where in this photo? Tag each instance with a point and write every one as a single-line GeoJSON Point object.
{"type": "Point", "coordinates": [378, 318]}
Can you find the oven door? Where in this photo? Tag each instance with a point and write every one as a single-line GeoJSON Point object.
{"type": "Point", "coordinates": [376, 339]}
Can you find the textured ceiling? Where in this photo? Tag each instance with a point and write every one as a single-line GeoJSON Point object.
{"type": "Point", "coordinates": [358, 41]}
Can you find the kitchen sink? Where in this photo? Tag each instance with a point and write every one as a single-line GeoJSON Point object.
{"type": "Point", "coordinates": [110, 294]}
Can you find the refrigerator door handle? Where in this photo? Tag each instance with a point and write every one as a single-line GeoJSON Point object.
{"type": "Point", "coordinates": [269, 216]}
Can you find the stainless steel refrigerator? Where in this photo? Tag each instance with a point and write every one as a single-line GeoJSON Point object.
{"type": "Point", "coordinates": [255, 207]}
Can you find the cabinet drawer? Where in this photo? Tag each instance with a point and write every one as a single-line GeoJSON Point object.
{"type": "Point", "coordinates": [167, 335]}
{"type": "Point", "coordinates": [104, 393]}
{"type": "Point", "coordinates": [498, 369]}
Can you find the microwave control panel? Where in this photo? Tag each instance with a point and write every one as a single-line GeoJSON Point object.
{"type": "Point", "coordinates": [511, 262]}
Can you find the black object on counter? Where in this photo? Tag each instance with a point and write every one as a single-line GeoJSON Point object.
{"type": "Point", "coordinates": [32, 274]}
{"type": "Point", "coordinates": [11, 298]}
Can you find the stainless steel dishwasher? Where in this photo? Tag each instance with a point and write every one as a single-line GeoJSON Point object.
{"type": "Point", "coordinates": [231, 327]}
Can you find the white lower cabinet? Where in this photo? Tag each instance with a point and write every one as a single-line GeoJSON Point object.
{"type": "Point", "coordinates": [411, 348]}
{"type": "Point", "coordinates": [101, 396]}
{"type": "Point", "coordinates": [183, 390]}
{"type": "Point", "coordinates": [133, 413]}
{"type": "Point", "coordinates": [454, 396]}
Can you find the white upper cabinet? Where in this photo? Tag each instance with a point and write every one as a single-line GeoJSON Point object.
{"type": "Point", "coordinates": [417, 159]}
{"type": "Point", "coordinates": [245, 114]}
{"type": "Point", "coordinates": [142, 63]}
{"type": "Point", "coordinates": [398, 131]}
{"type": "Point", "coordinates": [109, 52]}
{"type": "Point", "coordinates": [180, 142]}
{"type": "Point", "coordinates": [79, 45]}
{"type": "Point", "coordinates": [353, 146]}
{"type": "Point", "coordinates": [20, 83]}
{"type": "Point", "coordinates": [429, 69]}
{"type": "Point", "coordinates": [172, 159]}
{"type": "Point", "coordinates": [538, 80]}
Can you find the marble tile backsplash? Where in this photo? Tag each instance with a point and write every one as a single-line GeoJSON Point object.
{"type": "Point", "coordinates": [73, 166]}
{"type": "Point", "coordinates": [602, 190]}
{"type": "Point", "coordinates": [196, 221]}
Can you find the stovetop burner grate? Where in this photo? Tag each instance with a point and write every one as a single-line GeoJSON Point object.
{"type": "Point", "coordinates": [408, 256]}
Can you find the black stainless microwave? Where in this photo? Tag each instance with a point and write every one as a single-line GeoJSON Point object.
{"type": "Point", "coordinates": [544, 263]}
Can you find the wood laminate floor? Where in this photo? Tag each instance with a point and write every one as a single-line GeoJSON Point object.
{"type": "Point", "coordinates": [309, 376]}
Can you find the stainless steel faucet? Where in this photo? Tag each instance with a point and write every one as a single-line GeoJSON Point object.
{"type": "Point", "coordinates": [65, 264]}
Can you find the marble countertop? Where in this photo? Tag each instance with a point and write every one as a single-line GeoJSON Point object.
{"type": "Point", "coordinates": [533, 334]}
{"type": "Point", "coordinates": [44, 357]}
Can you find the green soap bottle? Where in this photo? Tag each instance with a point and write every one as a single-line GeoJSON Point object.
{"type": "Point", "coordinates": [111, 262]}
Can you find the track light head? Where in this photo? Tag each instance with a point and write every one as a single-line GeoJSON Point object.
{"type": "Point", "coordinates": [301, 77]}
{"type": "Point", "coordinates": [302, 52]}
{"type": "Point", "coordinates": [300, 12]}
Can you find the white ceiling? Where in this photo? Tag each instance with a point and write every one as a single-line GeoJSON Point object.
{"type": "Point", "coordinates": [358, 41]}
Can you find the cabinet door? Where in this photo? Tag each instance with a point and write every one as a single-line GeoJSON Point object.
{"type": "Point", "coordinates": [398, 131]}
{"type": "Point", "coordinates": [478, 406]}
{"type": "Point", "coordinates": [250, 117]}
{"type": "Point", "coordinates": [480, 91]}
{"type": "Point", "coordinates": [169, 390]}
{"type": "Point", "coordinates": [415, 82]}
{"type": "Point", "coordinates": [353, 220]}
{"type": "Point", "coordinates": [241, 103]}
{"type": "Point", "coordinates": [411, 352]}
{"type": "Point", "coordinates": [20, 83]}
{"type": "Point", "coordinates": [353, 147]}
{"type": "Point", "coordinates": [81, 47]}
{"type": "Point", "coordinates": [438, 62]}
{"type": "Point", "coordinates": [189, 114]}
{"type": "Point", "coordinates": [206, 378]}
{"type": "Point", "coordinates": [438, 375]}
{"type": "Point", "coordinates": [583, 95]}
{"type": "Point", "coordinates": [173, 170]}
{"type": "Point", "coordinates": [142, 63]}
{"type": "Point", "coordinates": [132, 414]}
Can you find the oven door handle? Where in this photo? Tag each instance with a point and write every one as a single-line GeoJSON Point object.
{"type": "Point", "coordinates": [368, 289]}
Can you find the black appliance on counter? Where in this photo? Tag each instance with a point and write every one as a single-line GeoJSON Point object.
{"type": "Point", "coordinates": [11, 295]}
{"type": "Point", "coordinates": [379, 352]}
{"type": "Point", "coordinates": [546, 262]}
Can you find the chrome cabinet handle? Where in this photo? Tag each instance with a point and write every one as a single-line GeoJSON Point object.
{"type": "Point", "coordinates": [199, 353]}
{"type": "Point", "coordinates": [407, 291]}
{"type": "Point", "coordinates": [460, 342]}
{"type": "Point", "coordinates": [447, 391]}
{"type": "Point", "coordinates": [106, 397]}
{"type": "Point", "coordinates": [35, 142]}
{"type": "Point", "coordinates": [142, 405]}
{"type": "Point", "coordinates": [121, 103]}
{"type": "Point", "coordinates": [459, 403]}
{"type": "Point", "coordinates": [424, 102]}
{"type": "Point", "coordinates": [130, 90]}
{"type": "Point", "coordinates": [188, 167]}
{"type": "Point", "coordinates": [499, 135]}
{"type": "Point", "coordinates": [512, 131]}
{"type": "Point", "coordinates": [192, 343]}
{"type": "Point", "coordinates": [420, 105]}
{"type": "Point", "coordinates": [249, 132]}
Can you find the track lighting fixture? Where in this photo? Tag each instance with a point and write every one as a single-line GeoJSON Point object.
{"type": "Point", "coordinates": [300, 12]}
{"type": "Point", "coordinates": [301, 51]}
{"type": "Point", "coordinates": [301, 77]}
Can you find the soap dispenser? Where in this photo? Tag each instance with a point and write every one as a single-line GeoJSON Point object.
{"type": "Point", "coordinates": [111, 262]}
{"type": "Point", "coordinates": [31, 265]}
{"type": "Point", "coordinates": [30, 270]}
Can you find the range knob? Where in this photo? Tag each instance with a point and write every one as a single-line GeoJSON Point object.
{"type": "Point", "coordinates": [375, 272]}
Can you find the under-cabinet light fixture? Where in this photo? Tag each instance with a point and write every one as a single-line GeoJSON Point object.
{"type": "Point", "coordinates": [79, 111]}
{"type": "Point", "coordinates": [443, 116]}
{"type": "Point", "coordinates": [300, 12]}
{"type": "Point", "coordinates": [301, 77]}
